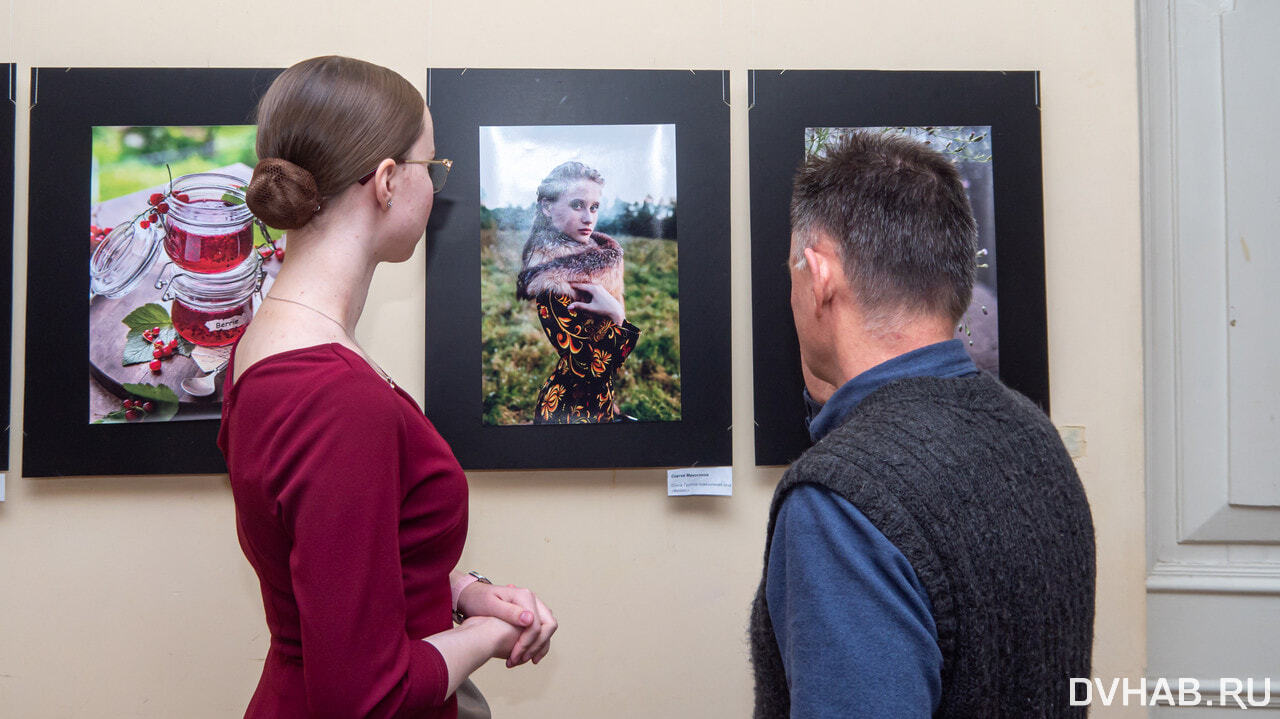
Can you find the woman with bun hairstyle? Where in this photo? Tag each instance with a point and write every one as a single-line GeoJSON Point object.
{"type": "Point", "coordinates": [350, 507]}
{"type": "Point", "coordinates": [573, 274]}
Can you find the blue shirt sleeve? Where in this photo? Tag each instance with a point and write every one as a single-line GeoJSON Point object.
{"type": "Point", "coordinates": [852, 621]}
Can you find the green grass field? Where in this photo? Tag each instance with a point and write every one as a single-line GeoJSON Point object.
{"type": "Point", "coordinates": [518, 358]}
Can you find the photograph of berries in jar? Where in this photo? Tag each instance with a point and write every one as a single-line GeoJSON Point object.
{"type": "Point", "coordinates": [177, 267]}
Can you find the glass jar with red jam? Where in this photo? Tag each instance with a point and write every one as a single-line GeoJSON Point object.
{"type": "Point", "coordinates": [209, 227]}
{"type": "Point", "coordinates": [212, 310]}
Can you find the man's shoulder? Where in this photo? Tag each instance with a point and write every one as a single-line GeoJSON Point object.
{"type": "Point", "coordinates": [926, 427]}
{"type": "Point", "coordinates": [928, 408]}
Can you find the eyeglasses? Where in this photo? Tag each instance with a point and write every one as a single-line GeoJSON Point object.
{"type": "Point", "coordinates": [437, 170]}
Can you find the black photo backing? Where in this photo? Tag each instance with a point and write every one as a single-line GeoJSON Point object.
{"type": "Point", "coordinates": [67, 103]}
{"type": "Point", "coordinates": [784, 105]}
{"type": "Point", "coordinates": [8, 119]}
{"type": "Point", "coordinates": [462, 101]}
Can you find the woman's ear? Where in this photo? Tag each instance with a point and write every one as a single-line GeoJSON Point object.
{"type": "Point", "coordinates": [382, 180]}
{"type": "Point", "coordinates": [545, 207]}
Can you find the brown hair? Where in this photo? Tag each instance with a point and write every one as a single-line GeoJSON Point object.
{"type": "Point", "coordinates": [900, 216]}
{"type": "Point", "coordinates": [323, 124]}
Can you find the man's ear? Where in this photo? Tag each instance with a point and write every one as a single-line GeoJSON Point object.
{"type": "Point", "coordinates": [545, 207]}
{"type": "Point", "coordinates": [819, 265]}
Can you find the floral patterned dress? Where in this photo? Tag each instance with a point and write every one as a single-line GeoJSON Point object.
{"type": "Point", "coordinates": [591, 349]}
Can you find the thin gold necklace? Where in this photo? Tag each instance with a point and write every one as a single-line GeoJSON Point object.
{"type": "Point", "coordinates": [365, 355]}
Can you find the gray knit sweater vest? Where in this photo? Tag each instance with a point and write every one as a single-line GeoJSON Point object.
{"type": "Point", "coordinates": [971, 482]}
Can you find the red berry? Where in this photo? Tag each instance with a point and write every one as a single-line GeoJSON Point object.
{"type": "Point", "coordinates": [154, 365]}
{"type": "Point", "coordinates": [183, 197]}
{"type": "Point", "coordinates": [132, 414]}
{"type": "Point", "coordinates": [144, 224]}
{"type": "Point", "coordinates": [159, 344]}
{"type": "Point", "coordinates": [280, 253]}
{"type": "Point", "coordinates": [149, 406]}
{"type": "Point", "coordinates": [166, 352]}
{"type": "Point", "coordinates": [152, 217]}
{"type": "Point", "coordinates": [128, 404]}
{"type": "Point", "coordinates": [107, 230]}
{"type": "Point", "coordinates": [155, 330]}
{"type": "Point", "coordinates": [163, 207]}
{"type": "Point", "coordinates": [172, 343]}
{"type": "Point", "coordinates": [157, 353]}
{"type": "Point", "coordinates": [265, 252]}
{"type": "Point", "coordinates": [155, 198]}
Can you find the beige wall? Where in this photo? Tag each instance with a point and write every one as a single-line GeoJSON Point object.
{"type": "Point", "coordinates": [129, 596]}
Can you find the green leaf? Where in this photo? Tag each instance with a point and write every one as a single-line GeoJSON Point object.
{"type": "Point", "coordinates": [147, 316]}
{"type": "Point", "coordinates": [231, 199]}
{"type": "Point", "coordinates": [137, 349]}
{"type": "Point", "coordinates": [156, 392]}
{"type": "Point", "coordinates": [164, 412]}
{"type": "Point", "coordinates": [166, 400]}
{"type": "Point", "coordinates": [261, 238]}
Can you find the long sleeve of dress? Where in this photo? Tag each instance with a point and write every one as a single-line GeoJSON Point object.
{"type": "Point", "coordinates": [352, 511]}
{"type": "Point", "coordinates": [342, 505]}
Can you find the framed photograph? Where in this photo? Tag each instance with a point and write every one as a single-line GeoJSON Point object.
{"type": "Point", "coordinates": [8, 119]}
{"type": "Point", "coordinates": [172, 270]}
{"type": "Point", "coordinates": [577, 268]}
{"type": "Point", "coordinates": [988, 125]}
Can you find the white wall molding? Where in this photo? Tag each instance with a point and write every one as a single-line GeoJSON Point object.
{"type": "Point", "coordinates": [1215, 578]}
{"type": "Point", "coordinates": [1213, 529]}
{"type": "Point", "coordinates": [1218, 7]}
{"type": "Point", "coordinates": [1193, 490]}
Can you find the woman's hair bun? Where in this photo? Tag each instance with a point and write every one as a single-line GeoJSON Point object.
{"type": "Point", "coordinates": [282, 194]}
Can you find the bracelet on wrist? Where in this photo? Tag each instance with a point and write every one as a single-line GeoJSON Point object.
{"type": "Point", "coordinates": [471, 578]}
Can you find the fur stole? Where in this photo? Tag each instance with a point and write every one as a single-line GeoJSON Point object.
{"type": "Point", "coordinates": [553, 259]}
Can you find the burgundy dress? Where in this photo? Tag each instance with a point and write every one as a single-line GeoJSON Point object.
{"type": "Point", "coordinates": [352, 510]}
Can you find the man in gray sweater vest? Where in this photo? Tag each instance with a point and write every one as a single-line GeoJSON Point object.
{"type": "Point", "coordinates": [932, 554]}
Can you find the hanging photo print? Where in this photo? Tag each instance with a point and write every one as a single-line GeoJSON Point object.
{"type": "Point", "coordinates": [577, 268]}
{"type": "Point", "coordinates": [8, 122]}
{"type": "Point", "coordinates": [129, 332]}
{"type": "Point", "coordinates": [988, 125]}
{"type": "Point", "coordinates": [177, 264]}
{"type": "Point", "coordinates": [575, 217]}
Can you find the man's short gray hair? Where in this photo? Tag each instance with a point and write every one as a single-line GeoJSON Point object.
{"type": "Point", "coordinates": [900, 217]}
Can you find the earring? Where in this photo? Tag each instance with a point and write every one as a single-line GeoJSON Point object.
{"type": "Point", "coordinates": [389, 199]}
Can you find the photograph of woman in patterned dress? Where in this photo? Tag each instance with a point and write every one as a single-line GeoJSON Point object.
{"type": "Point", "coordinates": [574, 275]}
{"type": "Point", "coordinates": [579, 282]}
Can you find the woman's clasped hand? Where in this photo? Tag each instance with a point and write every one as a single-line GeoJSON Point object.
{"type": "Point", "coordinates": [531, 621]}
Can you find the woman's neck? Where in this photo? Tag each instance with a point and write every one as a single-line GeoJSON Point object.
{"type": "Point", "coordinates": [328, 269]}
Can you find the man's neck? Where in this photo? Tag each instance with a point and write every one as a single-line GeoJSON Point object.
{"type": "Point", "coordinates": [859, 350]}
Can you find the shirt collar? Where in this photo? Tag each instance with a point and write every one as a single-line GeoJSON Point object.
{"type": "Point", "coordinates": [943, 359]}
